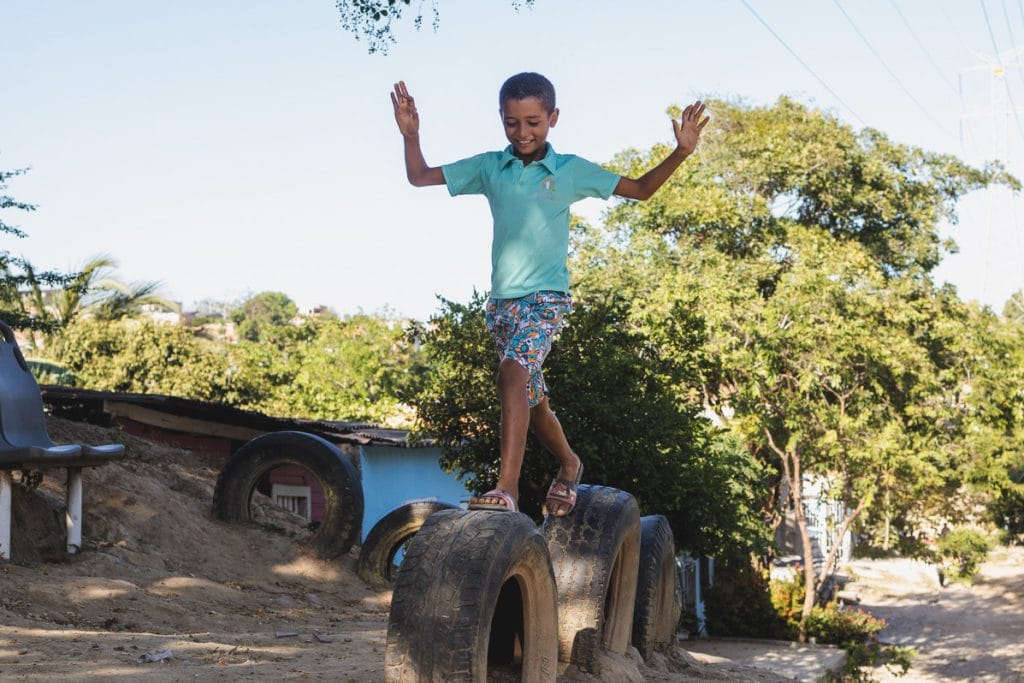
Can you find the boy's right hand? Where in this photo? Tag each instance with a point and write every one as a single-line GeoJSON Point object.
{"type": "Point", "coordinates": [406, 117]}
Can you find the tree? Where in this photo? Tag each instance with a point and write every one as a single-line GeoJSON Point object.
{"type": "Point", "coordinates": [353, 369]}
{"type": "Point", "coordinates": [805, 248]}
{"type": "Point", "coordinates": [261, 316]}
{"type": "Point", "coordinates": [143, 357]}
{"type": "Point", "coordinates": [16, 273]}
{"type": "Point", "coordinates": [373, 19]}
{"type": "Point", "coordinates": [94, 292]}
{"type": "Point", "coordinates": [614, 394]}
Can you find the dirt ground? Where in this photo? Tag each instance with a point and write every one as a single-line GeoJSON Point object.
{"type": "Point", "coordinates": [163, 592]}
{"type": "Point", "coordinates": [961, 633]}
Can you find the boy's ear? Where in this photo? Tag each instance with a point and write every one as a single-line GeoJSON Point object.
{"type": "Point", "coordinates": [554, 118]}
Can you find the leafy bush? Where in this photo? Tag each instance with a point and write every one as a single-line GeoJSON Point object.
{"type": "Point", "coordinates": [835, 625]}
{"type": "Point", "coordinates": [143, 357]}
{"type": "Point", "coordinates": [962, 551]}
{"type": "Point", "coordinates": [739, 604]}
{"type": "Point", "coordinates": [828, 624]}
{"type": "Point", "coordinates": [862, 658]}
{"type": "Point", "coordinates": [854, 630]}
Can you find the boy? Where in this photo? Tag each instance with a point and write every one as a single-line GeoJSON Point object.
{"type": "Point", "coordinates": [530, 188]}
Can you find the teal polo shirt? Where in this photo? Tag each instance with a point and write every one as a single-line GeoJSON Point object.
{"type": "Point", "coordinates": [530, 207]}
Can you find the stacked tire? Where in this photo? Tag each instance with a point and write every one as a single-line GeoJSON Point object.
{"type": "Point", "coordinates": [474, 594]}
{"type": "Point", "coordinates": [595, 554]}
{"type": "Point", "coordinates": [379, 551]}
{"type": "Point", "coordinates": [484, 592]}
{"type": "Point", "coordinates": [659, 595]}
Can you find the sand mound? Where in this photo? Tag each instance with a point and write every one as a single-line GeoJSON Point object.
{"type": "Point", "coordinates": [159, 579]}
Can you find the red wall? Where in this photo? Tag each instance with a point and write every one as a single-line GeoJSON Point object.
{"type": "Point", "coordinates": [217, 450]}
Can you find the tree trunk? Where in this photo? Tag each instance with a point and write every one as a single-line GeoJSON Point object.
{"type": "Point", "coordinates": [888, 520]}
{"type": "Point", "coordinates": [790, 459]}
{"type": "Point", "coordinates": [833, 552]}
{"type": "Point", "coordinates": [810, 577]}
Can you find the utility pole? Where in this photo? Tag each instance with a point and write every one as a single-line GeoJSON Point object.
{"type": "Point", "coordinates": [1001, 120]}
{"type": "Point", "coordinates": [1000, 107]}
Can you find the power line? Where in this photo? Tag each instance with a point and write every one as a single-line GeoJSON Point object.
{"type": "Point", "coordinates": [999, 60]}
{"type": "Point", "coordinates": [952, 26]}
{"type": "Point", "coordinates": [885, 65]}
{"type": "Point", "coordinates": [803, 63]}
{"type": "Point", "coordinates": [924, 49]}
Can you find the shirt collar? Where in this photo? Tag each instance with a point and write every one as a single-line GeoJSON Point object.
{"type": "Point", "coordinates": [548, 162]}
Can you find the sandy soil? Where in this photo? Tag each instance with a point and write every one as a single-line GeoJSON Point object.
{"type": "Point", "coordinates": [160, 579]}
{"type": "Point", "coordinates": [961, 633]}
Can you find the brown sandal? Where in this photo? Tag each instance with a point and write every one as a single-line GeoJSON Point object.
{"type": "Point", "coordinates": [563, 492]}
{"type": "Point", "coordinates": [507, 504]}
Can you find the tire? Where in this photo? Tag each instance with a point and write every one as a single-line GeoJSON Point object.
{"type": "Point", "coordinates": [595, 554]}
{"type": "Point", "coordinates": [474, 595]}
{"type": "Point", "coordinates": [343, 492]}
{"type": "Point", "coordinates": [659, 605]}
{"type": "Point", "coordinates": [377, 554]}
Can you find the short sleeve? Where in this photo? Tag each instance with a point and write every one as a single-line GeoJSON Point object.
{"type": "Point", "coordinates": [591, 180]}
{"type": "Point", "coordinates": [466, 176]}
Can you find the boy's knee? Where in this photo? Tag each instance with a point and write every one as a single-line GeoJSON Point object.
{"type": "Point", "coordinates": [511, 373]}
{"type": "Point", "coordinates": [541, 410]}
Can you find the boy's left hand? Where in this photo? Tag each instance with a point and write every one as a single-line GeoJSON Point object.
{"type": "Point", "coordinates": [688, 128]}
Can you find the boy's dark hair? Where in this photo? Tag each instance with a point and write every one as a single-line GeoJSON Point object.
{"type": "Point", "coordinates": [528, 84]}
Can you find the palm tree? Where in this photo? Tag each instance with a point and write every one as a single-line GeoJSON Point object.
{"type": "Point", "coordinates": [93, 291]}
{"type": "Point", "coordinates": [129, 300]}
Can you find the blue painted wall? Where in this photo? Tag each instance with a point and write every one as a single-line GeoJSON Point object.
{"type": "Point", "coordinates": [395, 476]}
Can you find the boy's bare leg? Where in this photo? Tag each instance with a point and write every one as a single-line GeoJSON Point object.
{"type": "Point", "coordinates": [515, 421]}
{"type": "Point", "coordinates": [548, 430]}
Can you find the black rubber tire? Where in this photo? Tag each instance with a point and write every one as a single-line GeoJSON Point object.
{"type": "Point", "coordinates": [595, 554]}
{"type": "Point", "coordinates": [472, 581]}
{"type": "Point", "coordinates": [377, 554]}
{"type": "Point", "coordinates": [659, 603]}
{"type": "Point", "coordinates": [343, 491]}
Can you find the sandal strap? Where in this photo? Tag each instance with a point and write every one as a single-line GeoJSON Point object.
{"type": "Point", "coordinates": [503, 495]}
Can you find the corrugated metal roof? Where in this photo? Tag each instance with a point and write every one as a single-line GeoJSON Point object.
{"type": "Point", "coordinates": [67, 400]}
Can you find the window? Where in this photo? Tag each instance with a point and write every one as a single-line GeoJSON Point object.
{"type": "Point", "coordinates": [292, 498]}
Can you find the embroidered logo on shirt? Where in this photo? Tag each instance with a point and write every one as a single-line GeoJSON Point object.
{"type": "Point", "coordinates": [549, 185]}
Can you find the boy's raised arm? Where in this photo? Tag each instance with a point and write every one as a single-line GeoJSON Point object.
{"type": "Point", "coordinates": [408, 120]}
{"type": "Point", "coordinates": [687, 131]}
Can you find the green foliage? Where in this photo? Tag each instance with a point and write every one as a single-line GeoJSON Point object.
{"type": "Point", "coordinates": [372, 19]}
{"type": "Point", "coordinates": [16, 273]}
{"type": "Point", "coordinates": [92, 292]}
{"type": "Point", "coordinates": [764, 169]}
{"type": "Point", "coordinates": [805, 249]}
{"type": "Point", "coordinates": [834, 625]}
{"type": "Point", "coordinates": [353, 369]}
{"type": "Point", "coordinates": [963, 550]}
{"type": "Point", "coordinates": [142, 357]}
{"type": "Point", "coordinates": [863, 658]}
{"type": "Point", "coordinates": [615, 395]}
{"type": "Point", "coordinates": [1007, 508]}
{"type": "Point", "coordinates": [739, 603]}
{"type": "Point", "coordinates": [262, 316]}
{"type": "Point", "coordinates": [327, 368]}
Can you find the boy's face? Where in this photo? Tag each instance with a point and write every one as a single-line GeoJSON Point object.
{"type": "Point", "coordinates": [526, 127]}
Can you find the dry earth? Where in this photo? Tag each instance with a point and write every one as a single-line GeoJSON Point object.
{"type": "Point", "coordinates": [159, 577]}
{"type": "Point", "coordinates": [961, 633]}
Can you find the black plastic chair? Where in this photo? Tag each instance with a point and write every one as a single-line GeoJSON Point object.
{"type": "Point", "coordinates": [22, 420]}
{"type": "Point", "coordinates": [25, 443]}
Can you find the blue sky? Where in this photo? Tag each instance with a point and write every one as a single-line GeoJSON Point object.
{"type": "Point", "coordinates": [230, 147]}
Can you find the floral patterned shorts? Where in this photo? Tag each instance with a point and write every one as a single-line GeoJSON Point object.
{"type": "Point", "coordinates": [523, 330]}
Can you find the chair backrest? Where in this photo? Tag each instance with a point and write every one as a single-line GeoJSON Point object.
{"type": "Point", "coordinates": [22, 422]}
